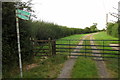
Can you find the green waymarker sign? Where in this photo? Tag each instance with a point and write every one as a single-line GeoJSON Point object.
{"type": "Point", "coordinates": [23, 17]}
{"type": "Point", "coordinates": [23, 14]}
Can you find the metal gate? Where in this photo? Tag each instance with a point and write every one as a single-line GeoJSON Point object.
{"type": "Point", "coordinates": [89, 48]}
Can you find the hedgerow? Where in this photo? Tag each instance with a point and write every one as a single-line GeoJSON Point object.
{"type": "Point", "coordinates": [112, 29]}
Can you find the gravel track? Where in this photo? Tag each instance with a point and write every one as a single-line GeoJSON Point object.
{"type": "Point", "coordinates": [66, 70]}
{"type": "Point", "coordinates": [102, 70]}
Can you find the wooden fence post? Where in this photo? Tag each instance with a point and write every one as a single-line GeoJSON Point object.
{"type": "Point", "coordinates": [50, 48]}
{"type": "Point", "coordinates": [34, 46]}
{"type": "Point", "coordinates": [53, 47]}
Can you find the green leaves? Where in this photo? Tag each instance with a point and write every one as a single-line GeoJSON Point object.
{"type": "Point", "coordinates": [9, 39]}
{"type": "Point", "coordinates": [45, 30]}
{"type": "Point", "coordinates": [93, 28]}
{"type": "Point", "coordinates": [112, 29]}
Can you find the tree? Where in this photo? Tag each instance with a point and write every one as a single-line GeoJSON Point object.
{"type": "Point", "coordinates": [87, 30]}
{"type": "Point", "coordinates": [109, 28]}
{"type": "Point", "coordinates": [9, 37]}
{"type": "Point", "coordinates": [93, 28]}
{"type": "Point", "coordinates": [113, 29]}
{"type": "Point", "coordinates": [103, 29]}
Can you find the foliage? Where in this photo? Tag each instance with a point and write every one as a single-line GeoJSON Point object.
{"type": "Point", "coordinates": [9, 39]}
{"type": "Point", "coordinates": [93, 28]}
{"type": "Point", "coordinates": [44, 30]}
{"type": "Point", "coordinates": [9, 42]}
{"type": "Point", "coordinates": [87, 30]}
{"type": "Point", "coordinates": [115, 30]}
{"type": "Point", "coordinates": [109, 28]}
{"type": "Point", "coordinates": [112, 29]}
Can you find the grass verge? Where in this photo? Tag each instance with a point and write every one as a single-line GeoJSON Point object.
{"type": "Point", "coordinates": [48, 68]}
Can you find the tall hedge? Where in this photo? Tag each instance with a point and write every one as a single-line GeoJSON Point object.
{"type": "Point", "coordinates": [9, 39]}
{"type": "Point", "coordinates": [115, 30]}
{"type": "Point", "coordinates": [44, 30]}
{"type": "Point", "coordinates": [112, 29]}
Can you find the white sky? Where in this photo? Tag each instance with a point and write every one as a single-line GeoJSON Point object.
{"type": "Point", "coordinates": [75, 13]}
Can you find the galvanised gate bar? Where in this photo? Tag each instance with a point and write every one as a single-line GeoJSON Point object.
{"type": "Point", "coordinates": [106, 50]}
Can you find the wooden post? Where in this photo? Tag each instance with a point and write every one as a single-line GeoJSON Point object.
{"type": "Point", "coordinates": [85, 47]}
{"type": "Point", "coordinates": [103, 48]}
{"type": "Point", "coordinates": [69, 49]}
{"type": "Point", "coordinates": [49, 43]}
{"type": "Point", "coordinates": [34, 47]}
{"type": "Point", "coordinates": [53, 47]}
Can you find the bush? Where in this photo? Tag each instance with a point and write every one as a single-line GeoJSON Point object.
{"type": "Point", "coordinates": [112, 29]}
{"type": "Point", "coordinates": [115, 30]}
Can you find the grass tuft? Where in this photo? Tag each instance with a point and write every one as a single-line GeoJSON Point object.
{"type": "Point", "coordinates": [84, 68]}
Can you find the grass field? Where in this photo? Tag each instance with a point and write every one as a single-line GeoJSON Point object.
{"type": "Point", "coordinates": [104, 36]}
{"type": "Point", "coordinates": [112, 64]}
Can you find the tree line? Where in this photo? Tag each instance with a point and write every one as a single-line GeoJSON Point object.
{"type": "Point", "coordinates": [28, 30]}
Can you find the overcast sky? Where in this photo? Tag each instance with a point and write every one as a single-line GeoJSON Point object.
{"type": "Point", "coordinates": [75, 13]}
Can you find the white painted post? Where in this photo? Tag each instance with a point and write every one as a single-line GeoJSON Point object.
{"type": "Point", "coordinates": [119, 11]}
{"type": "Point", "coordinates": [18, 41]}
{"type": "Point", "coordinates": [119, 36]}
{"type": "Point", "coordinates": [106, 19]}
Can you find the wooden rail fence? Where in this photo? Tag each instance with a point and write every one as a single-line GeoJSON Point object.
{"type": "Point", "coordinates": [44, 47]}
